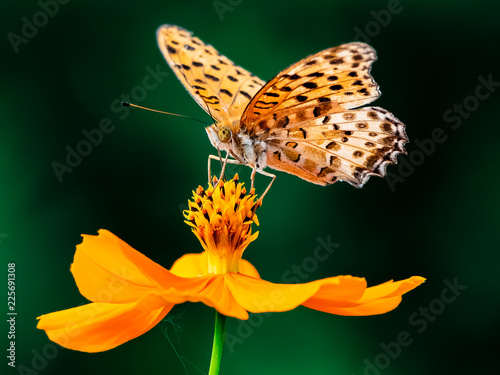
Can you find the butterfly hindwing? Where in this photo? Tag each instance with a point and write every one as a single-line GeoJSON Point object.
{"type": "Point", "coordinates": [345, 146]}
{"type": "Point", "coordinates": [222, 89]}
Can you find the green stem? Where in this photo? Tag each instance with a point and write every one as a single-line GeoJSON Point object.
{"type": "Point", "coordinates": [219, 333]}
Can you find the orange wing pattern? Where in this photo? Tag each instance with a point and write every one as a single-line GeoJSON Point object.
{"type": "Point", "coordinates": [222, 89]}
{"type": "Point", "coordinates": [307, 118]}
{"type": "Point", "coordinates": [331, 80]}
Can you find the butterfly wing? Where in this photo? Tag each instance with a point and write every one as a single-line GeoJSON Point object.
{"type": "Point", "coordinates": [306, 116]}
{"type": "Point", "coordinates": [344, 146]}
{"type": "Point", "coordinates": [336, 78]}
{"type": "Point", "coordinates": [222, 89]}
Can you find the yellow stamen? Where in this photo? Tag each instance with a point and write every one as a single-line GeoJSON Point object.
{"type": "Point", "coordinates": [222, 218]}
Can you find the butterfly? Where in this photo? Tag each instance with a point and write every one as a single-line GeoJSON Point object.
{"type": "Point", "coordinates": [305, 121]}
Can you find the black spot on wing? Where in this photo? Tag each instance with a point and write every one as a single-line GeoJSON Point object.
{"type": "Point", "coordinates": [267, 104]}
{"type": "Point", "coordinates": [332, 146]}
{"type": "Point", "coordinates": [337, 61]}
{"type": "Point", "coordinates": [212, 78]}
{"type": "Point", "coordinates": [310, 85]}
{"type": "Point", "coordinates": [245, 94]}
{"type": "Point", "coordinates": [283, 121]}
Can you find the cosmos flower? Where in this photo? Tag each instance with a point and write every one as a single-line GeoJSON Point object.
{"type": "Point", "coordinates": [130, 293]}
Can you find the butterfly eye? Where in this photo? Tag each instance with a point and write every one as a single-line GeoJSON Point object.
{"type": "Point", "coordinates": [224, 134]}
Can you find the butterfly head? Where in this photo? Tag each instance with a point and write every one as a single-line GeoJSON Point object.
{"type": "Point", "coordinates": [220, 136]}
{"type": "Point", "coordinates": [224, 133]}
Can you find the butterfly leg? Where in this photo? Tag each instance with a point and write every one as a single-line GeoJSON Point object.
{"type": "Point", "coordinates": [252, 177]}
{"type": "Point", "coordinates": [226, 160]}
{"type": "Point", "coordinates": [210, 157]}
{"type": "Point", "coordinates": [223, 167]}
{"type": "Point", "coordinates": [268, 186]}
{"type": "Point", "coordinates": [220, 157]}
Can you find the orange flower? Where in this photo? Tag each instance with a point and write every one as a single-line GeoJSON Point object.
{"type": "Point", "coordinates": [130, 293]}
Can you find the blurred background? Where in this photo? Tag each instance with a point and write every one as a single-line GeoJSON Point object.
{"type": "Point", "coordinates": [435, 216]}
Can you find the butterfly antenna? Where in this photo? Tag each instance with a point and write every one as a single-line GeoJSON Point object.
{"type": "Point", "coordinates": [127, 104]}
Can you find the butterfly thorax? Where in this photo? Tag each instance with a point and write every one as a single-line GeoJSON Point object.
{"type": "Point", "coordinates": [246, 149]}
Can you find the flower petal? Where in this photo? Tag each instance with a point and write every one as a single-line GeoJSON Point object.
{"type": "Point", "coordinates": [108, 270]}
{"type": "Point", "coordinates": [96, 327]}
{"type": "Point", "coordinates": [216, 294]}
{"type": "Point", "coordinates": [375, 300]}
{"type": "Point", "coordinates": [256, 295]}
{"type": "Point", "coordinates": [191, 265]}
{"type": "Point", "coordinates": [342, 295]}
{"type": "Point", "coordinates": [194, 265]}
{"type": "Point", "coordinates": [247, 268]}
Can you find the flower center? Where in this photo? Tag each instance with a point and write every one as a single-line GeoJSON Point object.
{"type": "Point", "coordinates": [222, 218]}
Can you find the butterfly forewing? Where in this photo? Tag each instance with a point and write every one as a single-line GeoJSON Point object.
{"type": "Point", "coordinates": [222, 89]}
{"type": "Point", "coordinates": [331, 80]}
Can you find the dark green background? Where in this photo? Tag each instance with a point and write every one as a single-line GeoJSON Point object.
{"type": "Point", "coordinates": [441, 222]}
